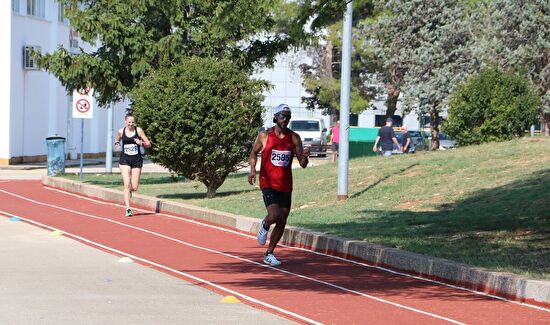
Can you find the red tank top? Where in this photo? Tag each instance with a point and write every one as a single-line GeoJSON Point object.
{"type": "Point", "coordinates": [276, 165]}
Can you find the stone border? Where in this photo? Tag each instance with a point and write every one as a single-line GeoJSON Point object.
{"type": "Point", "coordinates": [506, 285]}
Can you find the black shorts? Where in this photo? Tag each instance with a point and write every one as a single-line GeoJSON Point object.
{"type": "Point", "coordinates": [132, 161]}
{"type": "Point", "coordinates": [335, 146]}
{"type": "Point", "coordinates": [282, 199]}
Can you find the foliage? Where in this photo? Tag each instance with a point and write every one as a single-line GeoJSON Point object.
{"type": "Point", "coordinates": [322, 77]}
{"type": "Point", "coordinates": [383, 43]}
{"type": "Point", "coordinates": [434, 51]}
{"type": "Point", "coordinates": [135, 37]}
{"type": "Point", "coordinates": [491, 106]}
{"type": "Point", "coordinates": [515, 35]}
{"type": "Point", "coordinates": [325, 89]}
{"type": "Point", "coordinates": [202, 116]}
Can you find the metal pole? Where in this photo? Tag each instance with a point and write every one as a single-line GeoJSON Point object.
{"type": "Point", "coordinates": [109, 150]}
{"type": "Point", "coordinates": [343, 150]}
{"type": "Point", "coordinates": [81, 146]}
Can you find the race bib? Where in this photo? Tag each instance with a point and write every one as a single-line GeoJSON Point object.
{"type": "Point", "coordinates": [131, 149]}
{"type": "Point", "coordinates": [280, 158]}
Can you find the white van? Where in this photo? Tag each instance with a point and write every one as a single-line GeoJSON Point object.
{"type": "Point", "coordinates": [313, 133]}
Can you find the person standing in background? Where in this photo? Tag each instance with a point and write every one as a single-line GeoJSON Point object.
{"type": "Point", "coordinates": [405, 140]}
{"type": "Point", "coordinates": [335, 139]}
{"type": "Point", "coordinates": [386, 137]}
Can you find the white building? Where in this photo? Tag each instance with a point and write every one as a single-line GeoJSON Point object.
{"type": "Point", "coordinates": [33, 104]}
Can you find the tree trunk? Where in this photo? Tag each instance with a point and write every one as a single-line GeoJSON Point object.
{"type": "Point", "coordinates": [391, 100]}
{"type": "Point", "coordinates": [214, 182]}
{"type": "Point", "coordinates": [545, 124]}
{"type": "Point", "coordinates": [434, 127]}
{"type": "Point", "coordinates": [210, 191]}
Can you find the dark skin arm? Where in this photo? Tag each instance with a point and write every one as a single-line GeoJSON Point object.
{"type": "Point", "coordinates": [253, 158]}
{"type": "Point", "coordinates": [301, 155]}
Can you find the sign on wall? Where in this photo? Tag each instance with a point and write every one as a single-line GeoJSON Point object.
{"type": "Point", "coordinates": [83, 103]}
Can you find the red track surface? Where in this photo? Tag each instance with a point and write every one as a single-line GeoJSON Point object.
{"type": "Point", "coordinates": [307, 288]}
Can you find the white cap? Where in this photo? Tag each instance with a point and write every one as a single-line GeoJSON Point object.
{"type": "Point", "coordinates": [282, 108]}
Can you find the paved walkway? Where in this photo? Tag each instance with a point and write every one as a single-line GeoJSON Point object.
{"type": "Point", "coordinates": [50, 279]}
{"type": "Point", "coordinates": [56, 280]}
{"type": "Point", "coordinates": [94, 166]}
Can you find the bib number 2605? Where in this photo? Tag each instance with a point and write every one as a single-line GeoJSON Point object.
{"type": "Point", "coordinates": [280, 158]}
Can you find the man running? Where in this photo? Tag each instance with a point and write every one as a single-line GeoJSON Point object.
{"type": "Point", "coordinates": [278, 146]}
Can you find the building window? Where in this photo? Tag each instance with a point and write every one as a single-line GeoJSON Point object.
{"type": "Point", "coordinates": [353, 119]}
{"type": "Point", "coordinates": [380, 120]}
{"type": "Point", "coordinates": [15, 6]}
{"type": "Point", "coordinates": [36, 8]}
{"type": "Point", "coordinates": [61, 13]}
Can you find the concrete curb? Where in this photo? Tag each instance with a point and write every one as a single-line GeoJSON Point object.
{"type": "Point", "coordinates": [509, 286]}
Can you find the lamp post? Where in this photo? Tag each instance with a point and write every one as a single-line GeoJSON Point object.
{"type": "Point", "coordinates": [343, 150]}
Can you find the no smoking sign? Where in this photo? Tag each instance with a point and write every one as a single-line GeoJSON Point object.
{"type": "Point", "coordinates": [83, 103]}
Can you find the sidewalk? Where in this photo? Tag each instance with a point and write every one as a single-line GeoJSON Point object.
{"type": "Point", "coordinates": [49, 279]}
{"type": "Point", "coordinates": [44, 164]}
{"type": "Point", "coordinates": [95, 166]}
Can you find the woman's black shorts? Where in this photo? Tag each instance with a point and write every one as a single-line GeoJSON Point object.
{"type": "Point", "coordinates": [132, 161]}
{"type": "Point", "coordinates": [282, 199]}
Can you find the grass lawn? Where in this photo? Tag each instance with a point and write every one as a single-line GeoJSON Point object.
{"type": "Point", "coordinates": [486, 205]}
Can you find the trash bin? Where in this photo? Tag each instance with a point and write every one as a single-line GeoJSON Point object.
{"type": "Point", "coordinates": [56, 155]}
{"type": "Point", "coordinates": [361, 149]}
{"type": "Point", "coordinates": [361, 141]}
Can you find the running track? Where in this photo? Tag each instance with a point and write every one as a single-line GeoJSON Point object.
{"type": "Point", "coordinates": [308, 288]}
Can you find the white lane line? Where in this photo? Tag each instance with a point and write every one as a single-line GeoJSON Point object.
{"type": "Point", "coordinates": [187, 275]}
{"type": "Point", "coordinates": [237, 257]}
{"type": "Point", "coordinates": [312, 251]}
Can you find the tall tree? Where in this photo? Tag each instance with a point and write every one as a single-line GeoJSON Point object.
{"type": "Point", "coordinates": [434, 51]}
{"type": "Point", "coordinates": [135, 37]}
{"type": "Point", "coordinates": [322, 77]}
{"type": "Point", "coordinates": [515, 35]}
{"type": "Point", "coordinates": [384, 42]}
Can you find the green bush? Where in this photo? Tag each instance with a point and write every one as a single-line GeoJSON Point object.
{"type": "Point", "coordinates": [491, 106]}
{"type": "Point", "coordinates": [202, 117]}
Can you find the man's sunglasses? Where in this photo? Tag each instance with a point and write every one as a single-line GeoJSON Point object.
{"type": "Point", "coordinates": [284, 116]}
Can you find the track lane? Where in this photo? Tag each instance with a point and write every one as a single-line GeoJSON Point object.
{"type": "Point", "coordinates": [324, 301]}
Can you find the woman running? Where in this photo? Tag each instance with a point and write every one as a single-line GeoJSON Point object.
{"type": "Point", "coordinates": [129, 139]}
